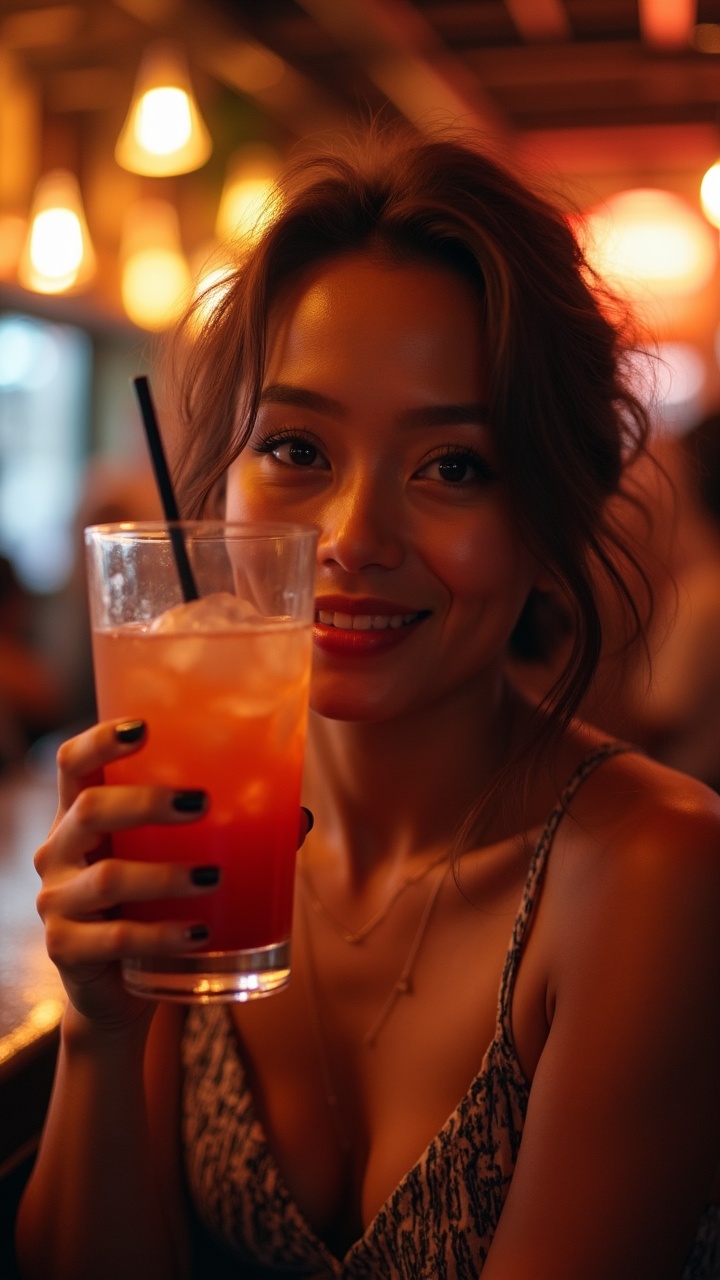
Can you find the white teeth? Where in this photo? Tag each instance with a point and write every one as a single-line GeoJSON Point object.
{"type": "Point", "coordinates": [364, 621]}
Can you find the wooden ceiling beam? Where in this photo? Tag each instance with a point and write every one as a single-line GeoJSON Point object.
{"type": "Point", "coordinates": [538, 21]}
{"type": "Point", "coordinates": [600, 61]}
{"type": "Point", "coordinates": [404, 56]}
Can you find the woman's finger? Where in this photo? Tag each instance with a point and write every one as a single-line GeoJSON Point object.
{"type": "Point", "coordinates": [112, 882]}
{"type": "Point", "coordinates": [81, 759]}
{"type": "Point", "coordinates": [97, 811]}
{"type": "Point", "coordinates": [71, 946]}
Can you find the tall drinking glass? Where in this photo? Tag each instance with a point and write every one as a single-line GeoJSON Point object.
{"type": "Point", "coordinates": [222, 684]}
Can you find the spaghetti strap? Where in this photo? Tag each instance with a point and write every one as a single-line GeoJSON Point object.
{"type": "Point", "coordinates": [536, 871]}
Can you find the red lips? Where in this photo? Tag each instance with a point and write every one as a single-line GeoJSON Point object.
{"type": "Point", "coordinates": [344, 642]}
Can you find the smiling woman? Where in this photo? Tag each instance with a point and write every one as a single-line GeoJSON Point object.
{"type": "Point", "coordinates": [499, 1052]}
{"type": "Point", "coordinates": [394, 469]}
{"type": "Point", "coordinates": [549, 358]}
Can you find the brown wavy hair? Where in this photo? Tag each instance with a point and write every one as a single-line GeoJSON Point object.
{"type": "Point", "coordinates": [566, 421]}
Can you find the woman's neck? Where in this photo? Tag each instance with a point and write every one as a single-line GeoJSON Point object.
{"type": "Point", "coordinates": [390, 790]}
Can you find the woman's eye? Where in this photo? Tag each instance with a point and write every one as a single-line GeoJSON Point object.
{"type": "Point", "coordinates": [292, 451]}
{"type": "Point", "coordinates": [458, 467]}
{"type": "Point", "coordinates": [299, 452]}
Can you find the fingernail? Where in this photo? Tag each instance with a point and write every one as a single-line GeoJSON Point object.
{"type": "Point", "coordinates": [130, 731]}
{"type": "Point", "coordinates": [197, 933]}
{"type": "Point", "coordinates": [310, 818]}
{"type": "Point", "coordinates": [189, 801]}
{"type": "Point", "coordinates": [203, 876]}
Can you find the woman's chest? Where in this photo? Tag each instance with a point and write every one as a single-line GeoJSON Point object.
{"type": "Point", "coordinates": [358, 1065]}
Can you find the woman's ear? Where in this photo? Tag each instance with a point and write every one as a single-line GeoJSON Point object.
{"type": "Point", "coordinates": [545, 624]}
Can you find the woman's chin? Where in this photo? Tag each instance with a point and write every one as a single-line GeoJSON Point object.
{"type": "Point", "coordinates": [349, 705]}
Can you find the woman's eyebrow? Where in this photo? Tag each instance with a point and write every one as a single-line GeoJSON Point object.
{"type": "Point", "coordinates": [431, 415]}
{"type": "Point", "coordinates": [301, 398]}
{"type": "Point", "coordinates": [445, 415]}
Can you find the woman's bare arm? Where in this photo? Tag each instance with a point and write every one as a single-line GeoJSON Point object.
{"type": "Point", "coordinates": [100, 1201]}
{"type": "Point", "coordinates": [622, 1135]}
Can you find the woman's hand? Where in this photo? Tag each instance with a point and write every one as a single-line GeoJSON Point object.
{"type": "Point", "coordinates": [83, 886]}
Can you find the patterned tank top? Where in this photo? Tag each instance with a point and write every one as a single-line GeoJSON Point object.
{"type": "Point", "coordinates": [440, 1220]}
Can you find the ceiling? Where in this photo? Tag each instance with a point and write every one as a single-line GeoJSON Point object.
{"type": "Point", "coordinates": [591, 86]}
{"type": "Point", "coordinates": [510, 64]}
{"type": "Point", "coordinates": [507, 66]}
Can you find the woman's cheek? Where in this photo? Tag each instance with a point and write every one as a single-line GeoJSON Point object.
{"type": "Point", "coordinates": [486, 555]}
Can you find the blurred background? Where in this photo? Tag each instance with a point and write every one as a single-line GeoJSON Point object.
{"type": "Point", "coordinates": [136, 136]}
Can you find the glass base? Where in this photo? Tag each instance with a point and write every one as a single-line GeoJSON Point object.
{"type": "Point", "coordinates": [210, 977]}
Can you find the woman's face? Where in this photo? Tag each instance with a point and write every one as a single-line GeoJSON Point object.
{"type": "Point", "coordinates": [372, 427]}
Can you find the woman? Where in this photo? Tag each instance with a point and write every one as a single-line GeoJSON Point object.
{"type": "Point", "coordinates": [412, 359]}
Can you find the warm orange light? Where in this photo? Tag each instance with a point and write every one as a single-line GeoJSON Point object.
{"type": "Point", "coordinates": [13, 230]}
{"type": "Point", "coordinates": [212, 268]}
{"type": "Point", "coordinates": [649, 244]}
{"type": "Point", "coordinates": [667, 24]}
{"type": "Point", "coordinates": [155, 275]}
{"type": "Point", "coordinates": [249, 195]}
{"type": "Point", "coordinates": [57, 255]}
{"type": "Point", "coordinates": [710, 194]}
{"type": "Point", "coordinates": [164, 132]}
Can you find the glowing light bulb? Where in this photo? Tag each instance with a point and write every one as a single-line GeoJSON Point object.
{"type": "Point", "coordinates": [249, 196]}
{"type": "Point", "coordinates": [155, 281]}
{"type": "Point", "coordinates": [163, 123]}
{"type": "Point", "coordinates": [153, 284]}
{"type": "Point", "coordinates": [56, 246]}
{"type": "Point", "coordinates": [57, 254]}
{"type": "Point", "coordinates": [163, 133]}
{"type": "Point", "coordinates": [710, 194]}
{"type": "Point", "coordinates": [650, 243]}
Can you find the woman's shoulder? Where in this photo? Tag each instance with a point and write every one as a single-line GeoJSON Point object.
{"type": "Point", "coordinates": [627, 786]}
{"type": "Point", "coordinates": [638, 840]}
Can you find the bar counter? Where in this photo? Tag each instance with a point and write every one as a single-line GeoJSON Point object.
{"type": "Point", "coordinates": [31, 994]}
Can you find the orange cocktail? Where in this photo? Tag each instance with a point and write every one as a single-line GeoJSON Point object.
{"type": "Point", "coordinates": [223, 690]}
{"type": "Point", "coordinates": [226, 712]}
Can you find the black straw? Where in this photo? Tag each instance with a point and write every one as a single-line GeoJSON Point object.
{"type": "Point", "coordinates": [164, 484]}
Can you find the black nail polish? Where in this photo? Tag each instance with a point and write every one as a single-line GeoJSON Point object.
{"type": "Point", "coordinates": [197, 933]}
{"type": "Point", "coordinates": [189, 801]}
{"type": "Point", "coordinates": [205, 876]}
{"type": "Point", "coordinates": [310, 818]}
{"type": "Point", "coordinates": [130, 731]}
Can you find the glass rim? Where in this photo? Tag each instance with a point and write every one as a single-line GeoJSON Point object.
{"type": "Point", "coordinates": [200, 530]}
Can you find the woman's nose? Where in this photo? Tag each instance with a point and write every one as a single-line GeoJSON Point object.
{"type": "Point", "coordinates": [361, 529]}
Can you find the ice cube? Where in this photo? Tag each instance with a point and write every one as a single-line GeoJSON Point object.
{"type": "Point", "coordinates": [218, 612]}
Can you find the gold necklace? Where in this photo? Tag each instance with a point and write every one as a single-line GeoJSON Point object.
{"type": "Point", "coordinates": [401, 987]}
{"type": "Point", "coordinates": [360, 934]}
